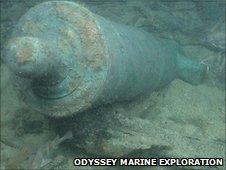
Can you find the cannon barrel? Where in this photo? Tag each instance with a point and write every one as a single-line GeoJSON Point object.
{"type": "Point", "coordinates": [66, 59]}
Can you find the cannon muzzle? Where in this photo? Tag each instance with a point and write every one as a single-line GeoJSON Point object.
{"type": "Point", "coordinates": [27, 57]}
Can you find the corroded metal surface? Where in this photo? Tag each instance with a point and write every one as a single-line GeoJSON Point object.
{"type": "Point", "coordinates": [67, 59]}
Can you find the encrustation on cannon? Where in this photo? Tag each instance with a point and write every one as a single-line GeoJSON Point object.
{"type": "Point", "coordinates": [65, 59]}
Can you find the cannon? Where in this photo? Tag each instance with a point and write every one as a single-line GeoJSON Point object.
{"type": "Point", "coordinates": [64, 59]}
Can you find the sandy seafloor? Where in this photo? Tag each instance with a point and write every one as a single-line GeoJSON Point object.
{"type": "Point", "coordinates": [180, 120]}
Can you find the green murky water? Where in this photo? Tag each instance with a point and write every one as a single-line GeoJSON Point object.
{"type": "Point", "coordinates": [178, 120]}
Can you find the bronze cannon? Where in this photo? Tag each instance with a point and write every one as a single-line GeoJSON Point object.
{"type": "Point", "coordinates": [65, 59]}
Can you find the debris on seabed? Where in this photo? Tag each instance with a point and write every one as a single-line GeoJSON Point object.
{"type": "Point", "coordinates": [39, 158]}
